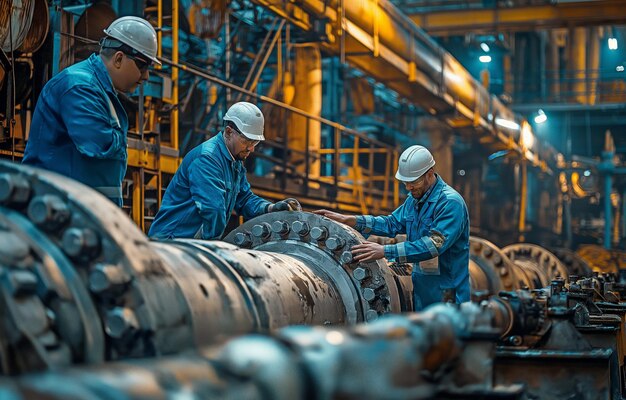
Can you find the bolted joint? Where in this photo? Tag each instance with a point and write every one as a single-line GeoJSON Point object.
{"type": "Point", "coordinates": [335, 243]}
{"type": "Point", "coordinates": [319, 233]}
{"type": "Point", "coordinates": [261, 231]}
{"type": "Point", "coordinates": [371, 315]}
{"type": "Point", "coordinates": [14, 189]}
{"type": "Point", "coordinates": [13, 250]}
{"type": "Point", "coordinates": [121, 321]}
{"type": "Point", "coordinates": [49, 212]}
{"type": "Point", "coordinates": [369, 294]}
{"type": "Point", "coordinates": [242, 239]}
{"type": "Point", "coordinates": [346, 257]}
{"type": "Point", "coordinates": [280, 227]}
{"type": "Point", "coordinates": [81, 243]}
{"type": "Point", "coordinates": [22, 283]}
{"type": "Point", "coordinates": [360, 273]}
{"type": "Point", "coordinates": [300, 227]}
{"type": "Point", "coordinates": [106, 278]}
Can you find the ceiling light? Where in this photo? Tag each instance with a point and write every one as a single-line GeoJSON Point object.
{"type": "Point", "coordinates": [612, 44]}
{"type": "Point", "coordinates": [619, 68]}
{"type": "Point", "coordinates": [485, 47]}
{"type": "Point", "coordinates": [505, 123]}
{"type": "Point", "coordinates": [485, 59]}
{"type": "Point", "coordinates": [541, 117]}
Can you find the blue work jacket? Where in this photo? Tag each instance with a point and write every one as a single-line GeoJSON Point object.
{"type": "Point", "coordinates": [437, 228]}
{"type": "Point", "coordinates": [207, 187]}
{"type": "Point", "coordinates": [79, 128]}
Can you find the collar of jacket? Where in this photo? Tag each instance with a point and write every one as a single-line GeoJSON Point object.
{"type": "Point", "coordinates": [221, 145]}
{"type": "Point", "coordinates": [433, 193]}
{"type": "Point", "coordinates": [101, 73]}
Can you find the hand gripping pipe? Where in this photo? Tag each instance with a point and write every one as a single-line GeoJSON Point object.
{"type": "Point", "coordinates": [80, 283]}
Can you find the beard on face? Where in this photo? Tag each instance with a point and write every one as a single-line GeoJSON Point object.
{"type": "Point", "coordinates": [242, 155]}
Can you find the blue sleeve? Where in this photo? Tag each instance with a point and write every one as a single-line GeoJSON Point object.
{"type": "Point", "coordinates": [87, 117]}
{"type": "Point", "coordinates": [449, 221]}
{"type": "Point", "coordinates": [389, 225]}
{"type": "Point", "coordinates": [208, 193]}
{"type": "Point", "coordinates": [249, 204]}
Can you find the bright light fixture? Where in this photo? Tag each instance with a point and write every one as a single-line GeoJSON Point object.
{"type": "Point", "coordinates": [505, 123]}
{"type": "Point", "coordinates": [485, 59]}
{"type": "Point", "coordinates": [587, 172]}
{"type": "Point", "coordinates": [541, 117]}
{"type": "Point", "coordinates": [485, 47]}
{"type": "Point", "coordinates": [612, 44]}
{"type": "Point", "coordinates": [619, 68]}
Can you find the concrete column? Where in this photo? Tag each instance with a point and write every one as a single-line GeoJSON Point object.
{"type": "Point", "coordinates": [307, 97]}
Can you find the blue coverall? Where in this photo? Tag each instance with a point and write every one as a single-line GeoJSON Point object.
{"type": "Point", "coordinates": [437, 228]}
{"type": "Point", "coordinates": [79, 128]}
{"type": "Point", "coordinates": [208, 185]}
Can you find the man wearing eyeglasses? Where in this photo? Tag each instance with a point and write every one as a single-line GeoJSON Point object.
{"type": "Point", "coordinates": [211, 182]}
{"type": "Point", "coordinates": [436, 222]}
{"type": "Point", "coordinates": [79, 126]}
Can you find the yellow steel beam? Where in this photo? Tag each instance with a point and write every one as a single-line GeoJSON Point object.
{"type": "Point", "coordinates": [375, 37]}
{"type": "Point", "coordinates": [522, 18]}
{"type": "Point", "coordinates": [145, 158]}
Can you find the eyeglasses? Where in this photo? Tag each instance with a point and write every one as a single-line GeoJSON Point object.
{"type": "Point", "coordinates": [416, 183]}
{"type": "Point", "coordinates": [243, 139]}
{"type": "Point", "coordinates": [142, 65]}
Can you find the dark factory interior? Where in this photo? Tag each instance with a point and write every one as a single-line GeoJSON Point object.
{"type": "Point", "coordinates": [312, 199]}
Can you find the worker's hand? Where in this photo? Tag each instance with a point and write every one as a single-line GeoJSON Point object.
{"type": "Point", "coordinates": [349, 220]}
{"type": "Point", "coordinates": [289, 204]}
{"type": "Point", "coordinates": [368, 251]}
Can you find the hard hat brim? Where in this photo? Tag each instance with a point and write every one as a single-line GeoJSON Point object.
{"type": "Point", "coordinates": [403, 178]}
{"type": "Point", "coordinates": [254, 137]}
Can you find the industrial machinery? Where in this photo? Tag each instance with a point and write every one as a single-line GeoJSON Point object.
{"type": "Point", "coordinates": [79, 283]}
{"type": "Point", "coordinates": [475, 350]}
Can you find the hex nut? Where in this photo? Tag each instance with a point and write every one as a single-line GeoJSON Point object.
{"type": "Point", "coordinates": [300, 227]}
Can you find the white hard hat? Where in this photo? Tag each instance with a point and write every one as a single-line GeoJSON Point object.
{"type": "Point", "coordinates": [137, 33]}
{"type": "Point", "coordinates": [413, 163]}
{"type": "Point", "coordinates": [248, 119]}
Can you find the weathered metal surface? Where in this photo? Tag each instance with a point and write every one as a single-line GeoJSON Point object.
{"type": "Point", "coordinates": [302, 235]}
{"type": "Point", "coordinates": [443, 352]}
{"type": "Point", "coordinates": [81, 283]}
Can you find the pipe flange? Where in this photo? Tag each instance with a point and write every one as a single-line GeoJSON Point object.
{"type": "Point", "coordinates": [28, 303]}
{"type": "Point", "coordinates": [288, 232]}
{"type": "Point", "coordinates": [496, 264]}
{"type": "Point", "coordinates": [84, 231]}
{"type": "Point", "coordinates": [542, 258]}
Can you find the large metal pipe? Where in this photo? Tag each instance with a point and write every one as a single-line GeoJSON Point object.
{"type": "Point", "coordinates": [81, 283]}
{"type": "Point", "coordinates": [442, 351]}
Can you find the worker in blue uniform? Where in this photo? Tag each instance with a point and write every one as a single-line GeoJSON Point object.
{"type": "Point", "coordinates": [211, 182]}
{"type": "Point", "coordinates": [436, 222]}
{"type": "Point", "coordinates": [79, 126]}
